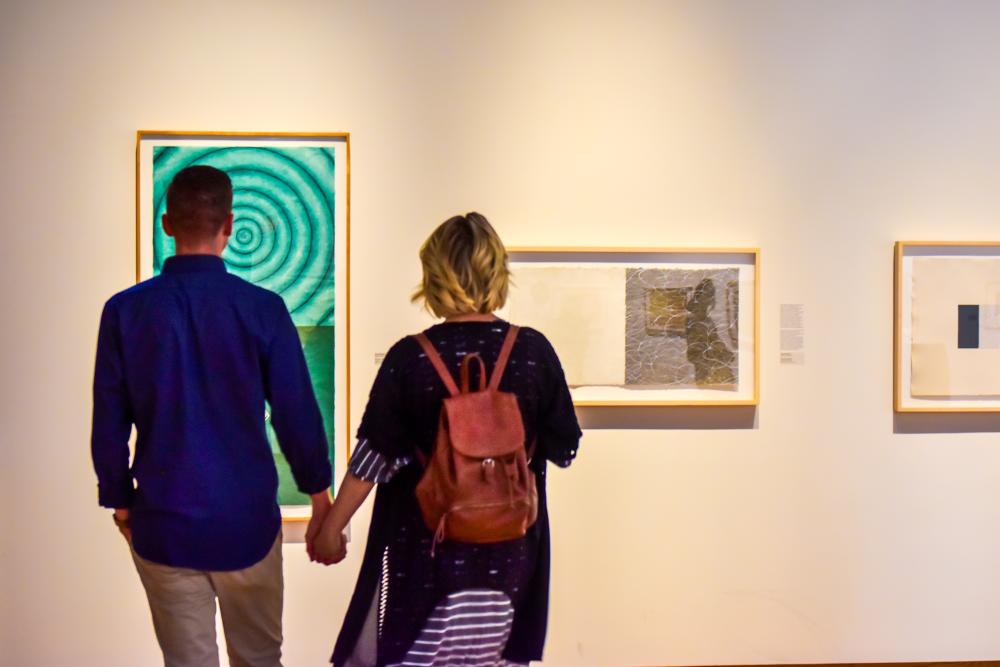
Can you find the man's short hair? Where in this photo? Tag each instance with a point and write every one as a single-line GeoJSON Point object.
{"type": "Point", "coordinates": [199, 201]}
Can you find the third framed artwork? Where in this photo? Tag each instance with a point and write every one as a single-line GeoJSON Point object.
{"type": "Point", "coordinates": [947, 326]}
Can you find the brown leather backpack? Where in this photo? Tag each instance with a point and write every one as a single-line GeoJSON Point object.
{"type": "Point", "coordinates": [477, 486]}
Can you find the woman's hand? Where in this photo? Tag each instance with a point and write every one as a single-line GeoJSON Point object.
{"type": "Point", "coordinates": [330, 544]}
{"type": "Point", "coordinates": [329, 547]}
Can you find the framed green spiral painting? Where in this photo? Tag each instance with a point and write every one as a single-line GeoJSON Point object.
{"type": "Point", "coordinates": [291, 235]}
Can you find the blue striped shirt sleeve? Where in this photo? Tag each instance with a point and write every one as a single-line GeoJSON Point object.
{"type": "Point", "coordinates": [371, 466]}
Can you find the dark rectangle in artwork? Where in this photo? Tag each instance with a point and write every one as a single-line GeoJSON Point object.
{"type": "Point", "coordinates": [968, 326]}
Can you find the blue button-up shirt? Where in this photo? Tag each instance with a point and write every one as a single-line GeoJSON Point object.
{"type": "Point", "coordinates": [189, 357]}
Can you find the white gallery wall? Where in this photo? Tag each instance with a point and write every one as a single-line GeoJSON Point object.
{"type": "Point", "coordinates": [818, 529]}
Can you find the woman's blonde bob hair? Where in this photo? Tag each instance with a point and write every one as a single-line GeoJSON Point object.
{"type": "Point", "coordinates": [465, 268]}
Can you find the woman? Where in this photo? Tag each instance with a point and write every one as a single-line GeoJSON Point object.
{"type": "Point", "coordinates": [463, 604]}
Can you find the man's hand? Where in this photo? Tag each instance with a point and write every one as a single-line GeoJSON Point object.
{"type": "Point", "coordinates": [122, 518]}
{"type": "Point", "coordinates": [320, 508]}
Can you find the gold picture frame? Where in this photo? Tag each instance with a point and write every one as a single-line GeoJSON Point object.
{"type": "Point", "coordinates": [748, 393]}
{"type": "Point", "coordinates": [340, 143]}
{"type": "Point", "coordinates": [902, 399]}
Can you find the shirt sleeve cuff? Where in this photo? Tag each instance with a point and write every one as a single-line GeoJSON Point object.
{"type": "Point", "coordinates": [371, 466]}
{"type": "Point", "coordinates": [115, 497]}
{"type": "Point", "coordinates": [315, 486]}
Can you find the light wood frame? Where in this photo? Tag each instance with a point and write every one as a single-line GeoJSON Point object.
{"type": "Point", "coordinates": [613, 250]}
{"type": "Point", "coordinates": [897, 350]}
{"type": "Point", "coordinates": [142, 135]}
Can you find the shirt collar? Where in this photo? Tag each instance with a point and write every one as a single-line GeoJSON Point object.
{"type": "Point", "coordinates": [194, 264]}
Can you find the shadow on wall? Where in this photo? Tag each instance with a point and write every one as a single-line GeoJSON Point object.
{"type": "Point", "coordinates": [954, 422]}
{"type": "Point", "coordinates": [707, 417]}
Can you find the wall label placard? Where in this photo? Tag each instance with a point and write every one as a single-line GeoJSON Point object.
{"type": "Point", "coordinates": [793, 334]}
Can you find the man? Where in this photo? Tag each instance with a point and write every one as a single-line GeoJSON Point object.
{"type": "Point", "coordinates": [189, 358]}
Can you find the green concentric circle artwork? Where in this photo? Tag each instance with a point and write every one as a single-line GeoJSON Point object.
{"type": "Point", "coordinates": [283, 219]}
{"type": "Point", "coordinates": [282, 240]}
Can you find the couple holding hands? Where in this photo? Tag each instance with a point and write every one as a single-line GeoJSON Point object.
{"type": "Point", "coordinates": [189, 358]}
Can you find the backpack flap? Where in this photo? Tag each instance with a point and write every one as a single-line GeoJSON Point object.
{"type": "Point", "coordinates": [485, 424]}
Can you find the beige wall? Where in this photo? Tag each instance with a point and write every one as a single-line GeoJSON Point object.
{"type": "Point", "coordinates": [820, 132]}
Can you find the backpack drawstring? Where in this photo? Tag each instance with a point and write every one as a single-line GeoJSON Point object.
{"type": "Point", "coordinates": [439, 533]}
{"type": "Point", "coordinates": [510, 480]}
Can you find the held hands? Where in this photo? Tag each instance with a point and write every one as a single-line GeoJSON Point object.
{"type": "Point", "coordinates": [320, 508]}
{"type": "Point", "coordinates": [325, 536]}
{"type": "Point", "coordinates": [323, 546]}
{"type": "Point", "coordinates": [330, 547]}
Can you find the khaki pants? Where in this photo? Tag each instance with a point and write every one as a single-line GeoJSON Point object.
{"type": "Point", "coordinates": [182, 602]}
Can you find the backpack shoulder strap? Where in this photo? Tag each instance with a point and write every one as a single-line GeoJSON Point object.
{"type": "Point", "coordinates": [504, 355]}
{"type": "Point", "coordinates": [438, 363]}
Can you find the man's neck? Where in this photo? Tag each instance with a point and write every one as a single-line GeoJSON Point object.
{"type": "Point", "coordinates": [199, 249]}
{"type": "Point", "coordinates": [203, 252]}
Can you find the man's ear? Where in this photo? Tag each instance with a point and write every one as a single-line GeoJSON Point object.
{"type": "Point", "coordinates": [227, 229]}
{"type": "Point", "coordinates": [167, 229]}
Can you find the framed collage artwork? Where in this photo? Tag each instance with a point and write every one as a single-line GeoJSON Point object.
{"type": "Point", "coordinates": [645, 327]}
